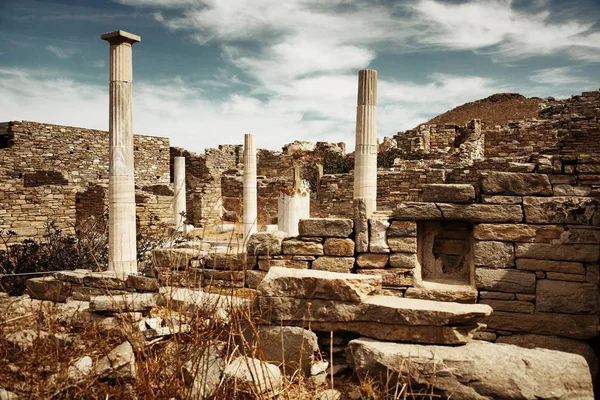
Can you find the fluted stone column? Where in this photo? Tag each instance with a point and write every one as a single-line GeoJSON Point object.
{"type": "Point", "coordinates": [122, 254]}
{"type": "Point", "coordinates": [179, 206]}
{"type": "Point", "coordinates": [250, 192]}
{"type": "Point", "coordinates": [365, 156]}
{"type": "Point", "coordinates": [293, 205]}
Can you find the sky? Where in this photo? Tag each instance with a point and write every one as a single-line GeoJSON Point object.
{"type": "Point", "coordinates": [208, 71]}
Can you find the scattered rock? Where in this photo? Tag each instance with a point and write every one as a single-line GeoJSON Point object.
{"type": "Point", "coordinates": [82, 368]}
{"type": "Point", "coordinates": [118, 364]}
{"type": "Point", "coordinates": [329, 394]}
{"type": "Point", "coordinates": [6, 395]}
{"type": "Point", "coordinates": [254, 376]}
{"type": "Point", "coordinates": [124, 302]}
{"type": "Point", "coordinates": [48, 288]}
{"type": "Point", "coordinates": [265, 243]}
{"type": "Point", "coordinates": [318, 367]}
{"type": "Point", "coordinates": [204, 373]}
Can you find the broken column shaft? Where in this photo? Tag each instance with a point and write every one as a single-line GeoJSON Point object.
{"type": "Point", "coordinates": [122, 253]}
{"type": "Point", "coordinates": [365, 156]}
{"type": "Point", "coordinates": [250, 191]}
{"type": "Point", "coordinates": [179, 205]}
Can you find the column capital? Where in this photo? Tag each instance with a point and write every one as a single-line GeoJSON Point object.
{"type": "Point", "coordinates": [118, 37]}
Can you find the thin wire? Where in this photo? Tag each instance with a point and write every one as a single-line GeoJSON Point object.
{"type": "Point", "coordinates": [29, 273]}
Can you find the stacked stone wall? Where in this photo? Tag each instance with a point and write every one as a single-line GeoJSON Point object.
{"type": "Point", "coordinates": [52, 173]}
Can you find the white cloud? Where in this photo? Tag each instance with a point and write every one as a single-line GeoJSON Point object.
{"type": "Point", "coordinates": [60, 52]}
{"type": "Point", "coordinates": [558, 76]}
{"type": "Point", "coordinates": [174, 109]}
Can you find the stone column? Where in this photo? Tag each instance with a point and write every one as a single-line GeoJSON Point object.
{"type": "Point", "coordinates": [293, 205]}
{"type": "Point", "coordinates": [122, 254]}
{"type": "Point", "coordinates": [365, 155]}
{"type": "Point", "coordinates": [179, 205]}
{"type": "Point", "coordinates": [250, 192]}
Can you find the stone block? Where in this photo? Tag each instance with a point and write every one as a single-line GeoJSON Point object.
{"type": "Point", "coordinates": [567, 325]}
{"type": "Point", "coordinates": [496, 199]}
{"type": "Point", "coordinates": [224, 258]}
{"type": "Point", "coordinates": [559, 276]}
{"type": "Point", "coordinates": [570, 190]}
{"type": "Point", "coordinates": [372, 260]}
{"type": "Point", "coordinates": [361, 226]}
{"type": "Point", "coordinates": [396, 277]}
{"type": "Point", "coordinates": [265, 265]}
{"type": "Point", "coordinates": [300, 247]}
{"type": "Point", "coordinates": [562, 210]}
{"type": "Point", "coordinates": [403, 244]}
{"type": "Point", "coordinates": [265, 243]}
{"type": "Point", "coordinates": [309, 284]}
{"type": "Point", "coordinates": [124, 302]}
{"type": "Point", "coordinates": [334, 264]}
{"type": "Point", "coordinates": [477, 370]}
{"type": "Point", "coordinates": [494, 254]}
{"type": "Point", "coordinates": [544, 251]}
{"type": "Point", "coordinates": [566, 297]}
{"type": "Point", "coordinates": [481, 212]}
{"type": "Point", "coordinates": [118, 364]}
{"type": "Point", "coordinates": [531, 264]}
{"type": "Point", "coordinates": [510, 305]}
{"type": "Point", "coordinates": [496, 295]}
{"type": "Point", "coordinates": [454, 293]}
{"type": "Point", "coordinates": [505, 280]}
{"type": "Point", "coordinates": [222, 275]}
{"type": "Point", "coordinates": [142, 283]}
{"type": "Point", "coordinates": [48, 288]}
{"type": "Point", "coordinates": [525, 297]}
{"type": "Point", "coordinates": [402, 229]}
{"type": "Point", "coordinates": [518, 232]}
{"type": "Point", "coordinates": [403, 260]}
{"type": "Point", "coordinates": [416, 211]}
{"type": "Point", "coordinates": [592, 273]}
{"type": "Point", "coordinates": [175, 257]}
{"type": "Point", "coordinates": [254, 278]}
{"type": "Point", "coordinates": [339, 247]}
{"type": "Point", "coordinates": [515, 183]}
{"type": "Point", "coordinates": [448, 193]}
{"type": "Point", "coordinates": [327, 227]}
{"type": "Point", "coordinates": [378, 235]}
{"type": "Point", "coordinates": [251, 375]}
{"type": "Point", "coordinates": [107, 280]}
{"type": "Point", "coordinates": [76, 276]}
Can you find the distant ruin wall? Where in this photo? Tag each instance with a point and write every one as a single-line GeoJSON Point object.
{"type": "Point", "coordinates": [60, 173]}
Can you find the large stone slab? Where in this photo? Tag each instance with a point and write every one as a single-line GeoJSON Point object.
{"type": "Point", "coordinates": [391, 310]}
{"type": "Point", "coordinates": [416, 211]}
{"type": "Point", "coordinates": [562, 210]}
{"type": "Point", "coordinates": [504, 280]}
{"type": "Point", "coordinates": [397, 277]}
{"type": "Point", "coordinates": [518, 232]}
{"type": "Point", "coordinates": [479, 370]}
{"type": "Point", "coordinates": [48, 288]}
{"type": "Point", "coordinates": [482, 212]}
{"type": "Point", "coordinates": [301, 247]}
{"type": "Point", "coordinates": [124, 302]}
{"type": "Point", "coordinates": [545, 251]}
{"type": "Point", "coordinates": [494, 254]}
{"type": "Point", "coordinates": [510, 305]}
{"type": "Point", "coordinates": [515, 183]}
{"type": "Point", "coordinates": [448, 193]}
{"type": "Point", "coordinates": [567, 325]}
{"type": "Point", "coordinates": [440, 292]}
{"type": "Point", "coordinates": [197, 302]}
{"type": "Point", "coordinates": [265, 243]}
{"type": "Point", "coordinates": [225, 258]}
{"type": "Point", "coordinates": [175, 257]}
{"type": "Point", "coordinates": [334, 264]}
{"type": "Point", "coordinates": [313, 284]}
{"type": "Point", "coordinates": [75, 276]}
{"type": "Point", "coordinates": [566, 267]}
{"type": "Point", "coordinates": [107, 280]}
{"type": "Point", "coordinates": [118, 364]}
{"type": "Point", "coordinates": [329, 227]}
{"type": "Point", "coordinates": [566, 297]}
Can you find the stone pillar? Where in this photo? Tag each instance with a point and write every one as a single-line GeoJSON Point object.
{"type": "Point", "coordinates": [365, 155]}
{"type": "Point", "coordinates": [250, 192]}
{"type": "Point", "coordinates": [293, 205]}
{"type": "Point", "coordinates": [122, 253]}
{"type": "Point", "coordinates": [179, 205]}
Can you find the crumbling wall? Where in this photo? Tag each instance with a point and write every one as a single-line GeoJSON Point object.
{"type": "Point", "coordinates": [60, 173]}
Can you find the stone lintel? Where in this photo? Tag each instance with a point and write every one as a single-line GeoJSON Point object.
{"type": "Point", "coordinates": [116, 37]}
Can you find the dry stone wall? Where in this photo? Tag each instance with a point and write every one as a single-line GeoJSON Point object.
{"type": "Point", "coordinates": [60, 173]}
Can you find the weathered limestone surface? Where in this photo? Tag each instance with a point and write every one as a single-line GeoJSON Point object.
{"type": "Point", "coordinates": [334, 264]}
{"type": "Point", "coordinates": [378, 235]}
{"type": "Point", "coordinates": [515, 183]}
{"type": "Point", "coordinates": [567, 325]}
{"type": "Point", "coordinates": [518, 232]}
{"type": "Point", "coordinates": [122, 252]}
{"type": "Point", "coordinates": [531, 264]}
{"type": "Point", "coordinates": [510, 305]}
{"type": "Point", "coordinates": [250, 199]}
{"type": "Point", "coordinates": [495, 199]}
{"type": "Point", "coordinates": [506, 280]}
{"type": "Point", "coordinates": [566, 297]}
{"type": "Point", "coordinates": [562, 210]}
{"type": "Point", "coordinates": [142, 283]}
{"type": "Point", "coordinates": [175, 257]}
{"type": "Point", "coordinates": [124, 302]}
{"type": "Point", "coordinates": [403, 244]}
{"type": "Point", "coordinates": [254, 278]}
{"type": "Point", "coordinates": [403, 260]}
{"type": "Point", "coordinates": [339, 247]}
{"type": "Point", "coordinates": [308, 284]}
{"type": "Point", "coordinates": [265, 265]}
{"type": "Point", "coordinates": [453, 293]}
{"type": "Point", "coordinates": [327, 227]}
{"type": "Point", "coordinates": [203, 373]}
{"type": "Point", "coordinates": [361, 226]}
{"type": "Point", "coordinates": [481, 212]}
{"type": "Point", "coordinates": [402, 229]}
{"type": "Point", "coordinates": [265, 243]}
{"type": "Point", "coordinates": [179, 202]}
{"type": "Point", "coordinates": [449, 193]}
{"type": "Point", "coordinates": [416, 211]}
{"type": "Point", "coordinates": [48, 288]}
{"type": "Point", "coordinates": [392, 276]}
{"type": "Point", "coordinates": [372, 260]}
{"type": "Point", "coordinates": [118, 364]}
{"type": "Point", "coordinates": [301, 247]}
{"type": "Point", "coordinates": [252, 375]}
{"type": "Point", "coordinates": [478, 370]}
{"type": "Point", "coordinates": [105, 280]}
{"type": "Point", "coordinates": [494, 254]}
{"type": "Point", "coordinates": [543, 251]}
{"type": "Point", "coordinates": [365, 155]}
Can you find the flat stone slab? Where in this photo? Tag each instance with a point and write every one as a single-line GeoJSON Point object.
{"type": "Point", "coordinates": [327, 227]}
{"type": "Point", "coordinates": [390, 310]}
{"type": "Point", "coordinates": [315, 284]}
{"type": "Point", "coordinates": [48, 288]}
{"type": "Point", "coordinates": [176, 257]}
{"type": "Point", "coordinates": [104, 280]}
{"type": "Point", "coordinates": [515, 183]}
{"type": "Point", "coordinates": [449, 193]}
{"type": "Point", "coordinates": [478, 370]}
{"type": "Point", "coordinates": [124, 302]}
{"type": "Point", "coordinates": [75, 276]}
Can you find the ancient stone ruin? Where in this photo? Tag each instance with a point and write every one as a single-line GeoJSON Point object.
{"type": "Point", "coordinates": [467, 263]}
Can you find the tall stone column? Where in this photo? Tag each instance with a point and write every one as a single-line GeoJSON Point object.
{"type": "Point", "coordinates": [122, 253]}
{"type": "Point", "coordinates": [365, 155]}
{"type": "Point", "coordinates": [250, 191]}
{"type": "Point", "coordinates": [179, 205]}
{"type": "Point", "coordinates": [293, 205]}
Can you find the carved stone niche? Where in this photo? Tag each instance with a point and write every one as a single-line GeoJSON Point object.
{"type": "Point", "coordinates": [446, 252]}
